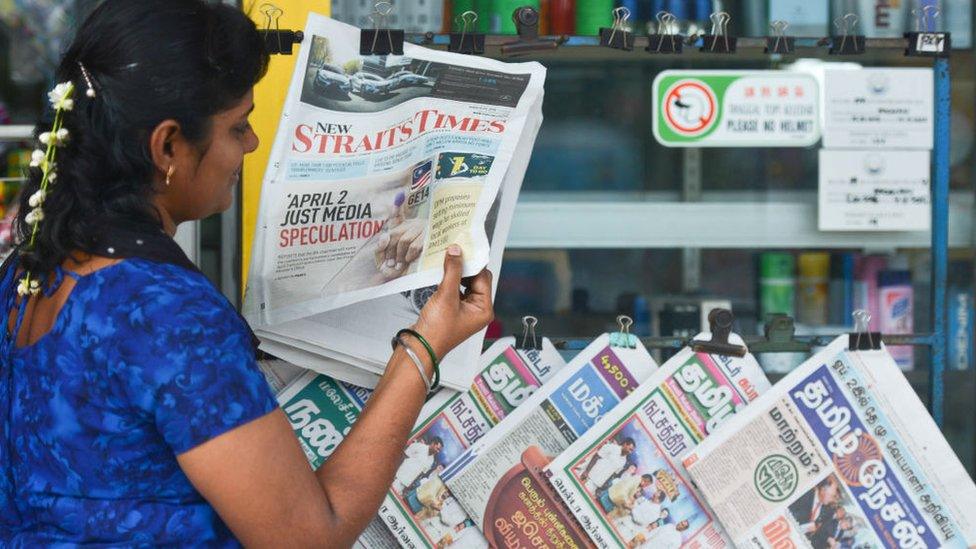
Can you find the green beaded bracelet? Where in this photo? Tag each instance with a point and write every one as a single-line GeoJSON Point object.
{"type": "Point", "coordinates": [430, 351]}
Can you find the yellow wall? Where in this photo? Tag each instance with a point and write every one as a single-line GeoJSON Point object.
{"type": "Point", "coordinates": [269, 98]}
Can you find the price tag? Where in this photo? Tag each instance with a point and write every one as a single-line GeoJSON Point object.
{"type": "Point", "coordinates": [928, 44]}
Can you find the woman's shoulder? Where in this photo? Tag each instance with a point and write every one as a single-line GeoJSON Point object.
{"type": "Point", "coordinates": [159, 288]}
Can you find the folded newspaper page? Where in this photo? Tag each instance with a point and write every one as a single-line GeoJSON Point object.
{"type": "Point", "coordinates": [378, 165]}
{"type": "Point", "coordinates": [497, 480]}
{"type": "Point", "coordinates": [419, 510]}
{"type": "Point", "coordinates": [623, 479]}
{"type": "Point", "coordinates": [840, 453]}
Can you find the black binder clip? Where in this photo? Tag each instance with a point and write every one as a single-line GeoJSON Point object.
{"type": "Point", "coordinates": [719, 41]}
{"type": "Point", "coordinates": [779, 43]}
{"type": "Point", "coordinates": [277, 41]}
{"type": "Point", "coordinates": [380, 40]}
{"type": "Point", "coordinates": [528, 333]}
{"type": "Point", "coordinates": [720, 325]}
{"type": "Point", "coordinates": [617, 37]}
{"type": "Point", "coordinates": [862, 339]}
{"type": "Point", "coordinates": [924, 42]}
{"type": "Point", "coordinates": [466, 41]}
{"type": "Point", "coordinates": [666, 39]}
{"type": "Point", "coordinates": [527, 25]}
{"type": "Point", "coordinates": [847, 43]}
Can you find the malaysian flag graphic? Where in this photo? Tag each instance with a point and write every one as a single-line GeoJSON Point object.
{"type": "Point", "coordinates": [421, 176]}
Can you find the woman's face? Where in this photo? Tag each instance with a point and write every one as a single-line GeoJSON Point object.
{"type": "Point", "coordinates": [207, 184]}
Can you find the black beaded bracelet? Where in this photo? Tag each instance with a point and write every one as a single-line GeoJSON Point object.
{"type": "Point", "coordinates": [430, 351]}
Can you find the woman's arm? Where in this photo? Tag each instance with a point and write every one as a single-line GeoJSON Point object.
{"type": "Point", "coordinates": [259, 481]}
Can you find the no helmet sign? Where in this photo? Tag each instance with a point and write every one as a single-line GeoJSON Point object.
{"type": "Point", "coordinates": [736, 109]}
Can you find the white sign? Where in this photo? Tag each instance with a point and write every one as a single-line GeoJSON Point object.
{"type": "Point", "coordinates": [735, 109]}
{"type": "Point", "coordinates": [870, 190]}
{"type": "Point", "coordinates": [878, 109]}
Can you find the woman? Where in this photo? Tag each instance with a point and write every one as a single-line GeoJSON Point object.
{"type": "Point", "coordinates": [131, 408]}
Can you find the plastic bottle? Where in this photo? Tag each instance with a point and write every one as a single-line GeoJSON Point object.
{"type": "Point", "coordinates": [593, 14]}
{"type": "Point", "coordinates": [841, 289]}
{"type": "Point", "coordinates": [959, 303]}
{"type": "Point", "coordinates": [897, 312]}
{"type": "Point", "coordinates": [777, 285]}
{"type": "Point", "coordinates": [814, 279]}
{"type": "Point", "coordinates": [562, 16]}
{"type": "Point", "coordinates": [866, 286]}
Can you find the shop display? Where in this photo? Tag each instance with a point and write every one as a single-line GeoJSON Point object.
{"type": "Point", "coordinates": [840, 452]}
{"type": "Point", "coordinates": [496, 480]}
{"type": "Point", "coordinates": [623, 478]}
{"type": "Point", "coordinates": [368, 206]}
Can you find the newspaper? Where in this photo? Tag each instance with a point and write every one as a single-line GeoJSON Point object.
{"type": "Point", "coordinates": [623, 479]}
{"type": "Point", "coordinates": [380, 163]}
{"type": "Point", "coordinates": [419, 510]}
{"type": "Point", "coordinates": [840, 453]}
{"type": "Point", "coordinates": [321, 411]}
{"type": "Point", "coordinates": [496, 481]}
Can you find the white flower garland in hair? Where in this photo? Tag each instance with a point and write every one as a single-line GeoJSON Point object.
{"type": "Point", "coordinates": [61, 100]}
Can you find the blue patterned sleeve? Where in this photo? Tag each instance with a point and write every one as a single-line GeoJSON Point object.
{"type": "Point", "coordinates": [190, 364]}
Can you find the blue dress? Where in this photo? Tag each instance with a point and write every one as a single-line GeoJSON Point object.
{"type": "Point", "coordinates": [144, 361]}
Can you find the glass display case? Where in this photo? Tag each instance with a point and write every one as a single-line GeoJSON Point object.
{"type": "Point", "coordinates": [611, 222]}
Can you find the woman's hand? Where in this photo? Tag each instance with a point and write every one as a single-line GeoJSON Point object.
{"type": "Point", "coordinates": [452, 316]}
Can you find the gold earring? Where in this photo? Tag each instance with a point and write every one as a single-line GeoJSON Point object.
{"type": "Point", "coordinates": [169, 174]}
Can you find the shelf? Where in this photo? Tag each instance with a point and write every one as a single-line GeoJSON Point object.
{"type": "Point", "coordinates": [541, 221]}
{"type": "Point", "coordinates": [588, 47]}
{"type": "Point", "coordinates": [23, 132]}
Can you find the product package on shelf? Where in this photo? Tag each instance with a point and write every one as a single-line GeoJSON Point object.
{"type": "Point", "coordinates": [840, 453]}
{"type": "Point", "coordinates": [419, 510]}
{"type": "Point", "coordinates": [379, 164]}
{"type": "Point", "coordinates": [498, 481]}
{"type": "Point", "coordinates": [623, 479]}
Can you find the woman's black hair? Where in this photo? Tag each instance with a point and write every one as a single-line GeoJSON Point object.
{"type": "Point", "coordinates": [149, 61]}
